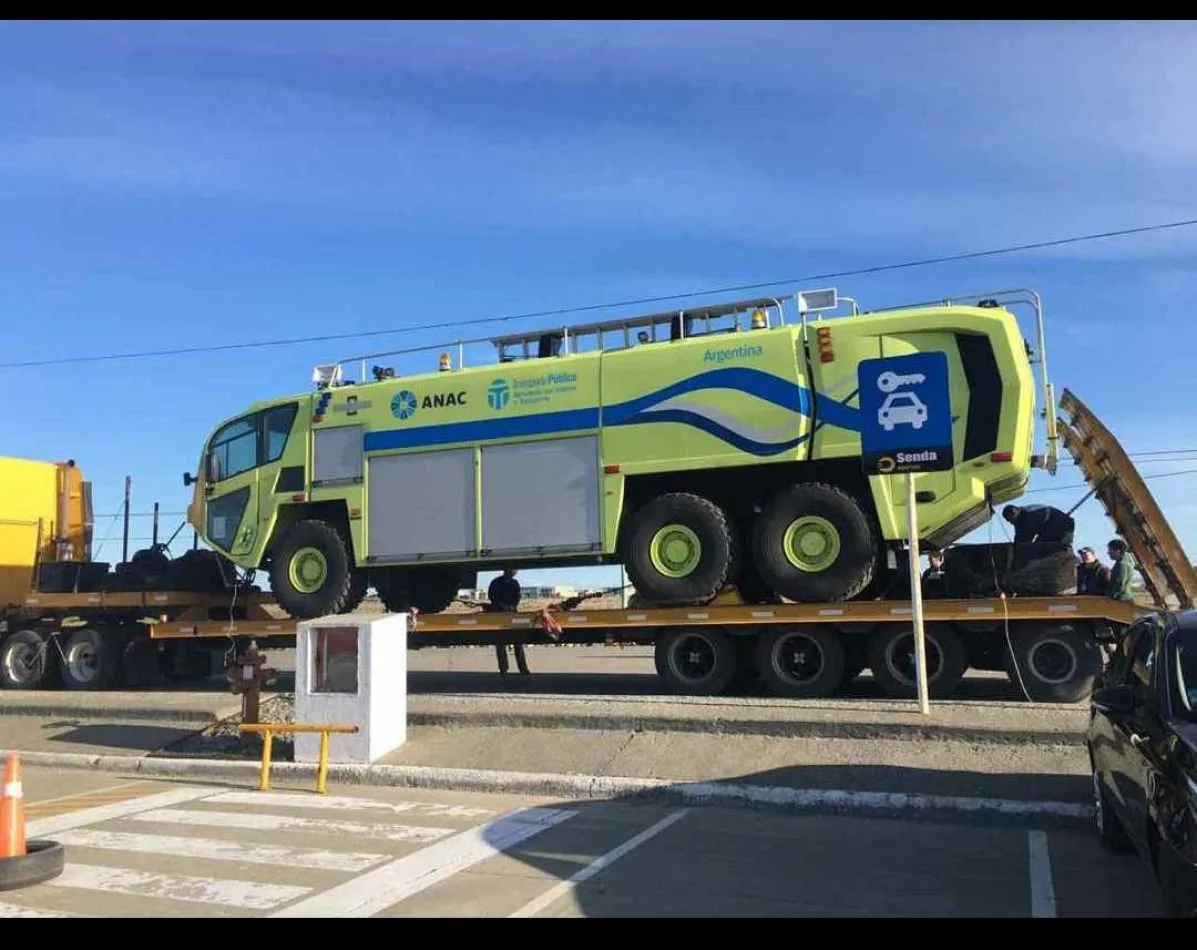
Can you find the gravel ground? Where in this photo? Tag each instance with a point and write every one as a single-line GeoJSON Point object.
{"type": "Point", "coordinates": [221, 740]}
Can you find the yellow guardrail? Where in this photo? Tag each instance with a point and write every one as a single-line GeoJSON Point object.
{"type": "Point", "coordinates": [267, 731]}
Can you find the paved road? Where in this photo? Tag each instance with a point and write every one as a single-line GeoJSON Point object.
{"type": "Point", "coordinates": [141, 849]}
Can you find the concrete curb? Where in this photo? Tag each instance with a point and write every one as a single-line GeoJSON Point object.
{"type": "Point", "coordinates": [781, 729]}
{"type": "Point", "coordinates": [101, 713]}
{"type": "Point", "coordinates": [595, 787]}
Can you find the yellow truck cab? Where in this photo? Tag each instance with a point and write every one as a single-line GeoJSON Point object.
{"type": "Point", "coordinates": [711, 446]}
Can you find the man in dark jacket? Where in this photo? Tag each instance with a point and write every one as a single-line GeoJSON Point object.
{"type": "Point", "coordinates": [1092, 577]}
{"type": "Point", "coordinates": [1039, 523]}
{"type": "Point", "coordinates": [504, 595]}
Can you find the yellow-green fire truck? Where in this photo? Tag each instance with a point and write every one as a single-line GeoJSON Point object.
{"type": "Point", "coordinates": [702, 448]}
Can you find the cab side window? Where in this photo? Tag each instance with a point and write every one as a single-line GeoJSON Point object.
{"type": "Point", "coordinates": [277, 427]}
{"type": "Point", "coordinates": [234, 448]}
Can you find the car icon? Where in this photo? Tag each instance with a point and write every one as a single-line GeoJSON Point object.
{"type": "Point", "coordinates": [902, 409]}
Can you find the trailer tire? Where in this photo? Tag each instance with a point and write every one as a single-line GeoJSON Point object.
{"type": "Point", "coordinates": [430, 590]}
{"type": "Point", "coordinates": [801, 662]}
{"type": "Point", "coordinates": [312, 571]}
{"type": "Point", "coordinates": [814, 542]}
{"type": "Point", "coordinates": [892, 660]}
{"type": "Point", "coordinates": [26, 660]}
{"type": "Point", "coordinates": [679, 550]}
{"type": "Point", "coordinates": [92, 660]}
{"type": "Point", "coordinates": [1057, 663]}
{"type": "Point", "coordinates": [696, 661]}
{"type": "Point", "coordinates": [140, 663]}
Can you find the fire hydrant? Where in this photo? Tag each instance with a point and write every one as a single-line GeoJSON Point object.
{"type": "Point", "coordinates": [247, 675]}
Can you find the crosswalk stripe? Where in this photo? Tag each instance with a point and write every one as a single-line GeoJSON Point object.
{"type": "Point", "coordinates": [259, 821]}
{"type": "Point", "coordinates": [48, 827]}
{"type": "Point", "coordinates": [398, 880]}
{"type": "Point", "coordinates": [179, 887]}
{"type": "Point", "coordinates": [222, 850]}
{"type": "Point", "coordinates": [9, 911]}
{"type": "Point", "coordinates": [341, 803]}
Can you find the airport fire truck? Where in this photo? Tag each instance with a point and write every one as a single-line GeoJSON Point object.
{"type": "Point", "coordinates": [702, 448]}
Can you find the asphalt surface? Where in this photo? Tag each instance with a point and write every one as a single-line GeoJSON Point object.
{"type": "Point", "coordinates": [160, 849]}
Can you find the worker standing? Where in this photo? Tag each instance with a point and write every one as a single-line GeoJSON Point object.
{"type": "Point", "coordinates": [1039, 523]}
{"type": "Point", "coordinates": [504, 596]}
{"type": "Point", "coordinates": [1122, 571]}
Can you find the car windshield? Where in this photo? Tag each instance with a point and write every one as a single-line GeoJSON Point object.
{"type": "Point", "coordinates": [1185, 658]}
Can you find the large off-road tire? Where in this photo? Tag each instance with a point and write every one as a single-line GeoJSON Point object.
{"type": "Point", "coordinates": [312, 571]}
{"type": "Point", "coordinates": [1056, 662]}
{"type": "Point", "coordinates": [892, 660]}
{"type": "Point", "coordinates": [429, 589]}
{"type": "Point", "coordinates": [696, 661]}
{"type": "Point", "coordinates": [814, 542]}
{"type": "Point", "coordinates": [805, 661]}
{"type": "Point", "coordinates": [679, 549]}
{"type": "Point", "coordinates": [26, 660]}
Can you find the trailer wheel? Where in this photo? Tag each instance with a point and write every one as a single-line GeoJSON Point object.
{"type": "Point", "coordinates": [92, 660]}
{"type": "Point", "coordinates": [1058, 663]}
{"type": "Point", "coordinates": [311, 573]}
{"type": "Point", "coordinates": [26, 660]}
{"type": "Point", "coordinates": [696, 661]}
{"type": "Point", "coordinates": [813, 542]}
{"type": "Point", "coordinates": [430, 590]}
{"type": "Point", "coordinates": [680, 549]}
{"type": "Point", "coordinates": [892, 660]}
{"type": "Point", "coordinates": [802, 662]}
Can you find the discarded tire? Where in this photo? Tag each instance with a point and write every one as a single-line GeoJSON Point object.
{"type": "Point", "coordinates": [43, 861]}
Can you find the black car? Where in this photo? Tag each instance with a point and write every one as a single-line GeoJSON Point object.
{"type": "Point", "coordinates": [1142, 742]}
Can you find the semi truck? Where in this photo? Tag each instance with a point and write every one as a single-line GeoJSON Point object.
{"type": "Point", "coordinates": [700, 449]}
{"type": "Point", "coordinates": [68, 620]}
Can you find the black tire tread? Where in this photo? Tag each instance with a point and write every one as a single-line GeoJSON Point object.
{"type": "Point", "coordinates": [776, 573]}
{"type": "Point", "coordinates": [718, 521]}
{"type": "Point", "coordinates": [955, 661]}
{"type": "Point", "coordinates": [827, 682]}
{"type": "Point", "coordinates": [326, 537]}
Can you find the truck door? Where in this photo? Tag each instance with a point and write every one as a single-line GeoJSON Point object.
{"type": "Point", "coordinates": [232, 485]}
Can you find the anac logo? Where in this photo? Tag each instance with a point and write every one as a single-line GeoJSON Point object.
{"type": "Point", "coordinates": [498, 394]}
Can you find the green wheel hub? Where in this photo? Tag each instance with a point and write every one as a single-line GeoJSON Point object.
{"type": "Point", "coordinates": [811, 544]}
{"type": "Point", "coordinates": [675, 551]}
{"type": "Point", "coordinates": [308, 570]}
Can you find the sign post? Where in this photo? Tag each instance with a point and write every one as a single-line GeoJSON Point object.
{"type": "Point", "coordinates": [905, 429]}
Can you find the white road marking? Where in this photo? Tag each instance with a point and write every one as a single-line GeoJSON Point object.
{"type": "Point", "coordinates": [213, 850]}
{"type": "Point", "coordinates": [395, 882]}
{"type": "Point", "coordinates": [47, 827]}
{"type": "Point", "coordinates": [8, 911]}
{"type": "Point", "coordinates": [537, 904]}
{"type": "Point", "coordinates": [1043, 892]}
{"type": "Point", "coordinates": [258, 821]}
{"type": "Point", "coordinates": [179, 887]}
{"type": "Point", "coordinates": [337, 803]}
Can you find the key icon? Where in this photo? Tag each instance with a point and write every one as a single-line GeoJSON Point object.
{"type": "Point", "coordinates": [888, 381]}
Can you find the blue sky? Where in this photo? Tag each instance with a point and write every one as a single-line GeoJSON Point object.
{"type": "Point", "coordinates": [174, 185]}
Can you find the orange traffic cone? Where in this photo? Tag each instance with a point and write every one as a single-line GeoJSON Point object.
{"type": "Point", "coordinates": [12, 810]}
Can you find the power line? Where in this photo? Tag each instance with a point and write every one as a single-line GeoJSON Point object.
{"type": "Point", "coordinates": [1087, 486]}
{"type": "Point", "coordinates": [877, 269]}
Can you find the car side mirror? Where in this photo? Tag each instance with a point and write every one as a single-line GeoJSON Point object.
{"type": "Point", "coordinates": [189, 479]}
{"type": "Point", "coordinates": [1115, 699]}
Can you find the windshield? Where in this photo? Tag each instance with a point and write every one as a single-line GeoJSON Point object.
{"type": "Point", "coordinates": [1185, 660]}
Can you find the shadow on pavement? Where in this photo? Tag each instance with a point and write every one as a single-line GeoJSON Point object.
{"type": "Point", "coordinates": [715, 861]}
{"type": "Point", "coordinates": [125, 737]}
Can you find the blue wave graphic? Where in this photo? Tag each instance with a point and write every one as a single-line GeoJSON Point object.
{"type": "Point", "coordinates": [741, 442]}
{"type": "Point", "coordinates": [753, 382]}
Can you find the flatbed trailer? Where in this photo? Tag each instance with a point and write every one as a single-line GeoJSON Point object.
{"type": "Point", "coordinates": [1050, 647]}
